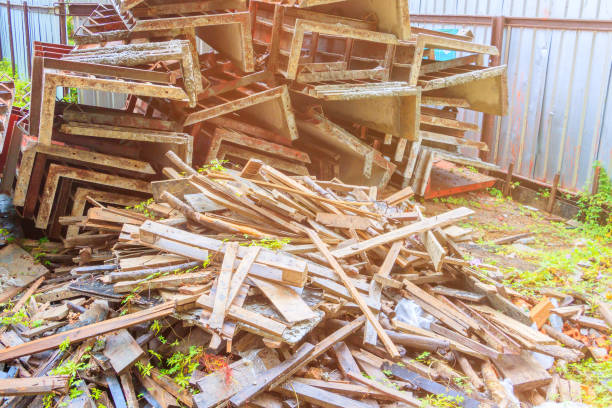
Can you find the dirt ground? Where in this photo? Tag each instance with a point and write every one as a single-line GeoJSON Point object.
{"type": "Point", "coordinates": [562, 255]}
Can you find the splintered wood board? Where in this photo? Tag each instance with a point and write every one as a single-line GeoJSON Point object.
{"type": "Point", "coordinates": [122, 350]}
{"type": "Point", "coordinates": [150, 261]}
{"type": "Point", "coordinates": [19, 268]}
{"type": "Point", "coordinates": [524, 371]}
{"type": "Point", "coordinates": [216, 388]}
{"type": "Point", "coordinates": [288, 303]}
{"type": "Point", "coordinates": [343, 221]}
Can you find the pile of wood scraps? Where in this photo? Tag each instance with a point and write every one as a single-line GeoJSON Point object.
{"type": "Point", "coordinates": [255, 288]}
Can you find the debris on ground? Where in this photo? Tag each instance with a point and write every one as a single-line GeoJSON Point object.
{"type": "Point", "coordinates": [247, 230]}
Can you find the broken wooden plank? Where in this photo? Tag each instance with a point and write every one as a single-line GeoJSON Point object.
{"type": "Point", "coordinates": [269, 376]}
{"type": "Point", "coordinates": [344, 221]}
{"type": "Point", "coordinates": [318, 396]}
{"type": "Point", "coordinates": [122, 351]}
{"type": "Point", "coordinates": [391, 348]}
{"type": "Point", "coordinates": [34, 385]}
{"type": "Point", "coordinates": [82, 333]}
{"type": "Point", "coordinates": [290, 305]}
{"type": "Point", "coordinates": [245, 316]}
{"type": "Point", "coordinates": [441, 220]}
{"type": "Point", "coordinates": [220, 305]}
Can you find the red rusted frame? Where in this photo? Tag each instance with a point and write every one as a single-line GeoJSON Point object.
{"type": "Point", "coordinates": [447, 179]}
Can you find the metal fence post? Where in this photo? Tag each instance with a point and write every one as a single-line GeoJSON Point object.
{"type": "Point", "coordinates": [26, 23]}
{"type": "Point", "coordinates": [10, 30]}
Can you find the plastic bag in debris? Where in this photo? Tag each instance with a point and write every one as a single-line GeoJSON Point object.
{"type": "Point", "coordinates": [545, 361]}
{"type": "Point", "coordinates": [410, 313]}
{"type": "Point", "coordinates": [566, 404]}
{"type": "Point", "coordinates": [509, 387]}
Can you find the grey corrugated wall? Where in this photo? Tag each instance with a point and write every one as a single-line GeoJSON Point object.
{"type": "Point", "coordinates": [560, 91]}
{"type": "Point", "coordinates": [44, 26]}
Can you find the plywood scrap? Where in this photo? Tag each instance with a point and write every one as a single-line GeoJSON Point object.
{"type": "Point", "coordinates": [288, 302]}
{"type": "Point", "coordinates": [122, 351]}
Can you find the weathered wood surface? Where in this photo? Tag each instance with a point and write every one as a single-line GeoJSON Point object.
{"type": "Point", "coordinates": [33, 386]}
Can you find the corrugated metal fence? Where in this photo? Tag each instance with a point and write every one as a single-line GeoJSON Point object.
{"type": "Point", "coordinates": [560, 84]}
{"type": "Point", "coordinates": [43, 26]}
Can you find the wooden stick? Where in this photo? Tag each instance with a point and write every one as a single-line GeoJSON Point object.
{"type": "Point", "coordinates": [22, 301]}
{"type": "Point", "coordinates": [508, 183]}
{"type": "Point", "coordinates": [553, 194]}
{"type": "Point", "coordinates": [181, 165]}
{"type": "Point", "coordinates": [595, 186]}
{"type": "Point", "coordinates": [241, 272]}
{"type": "Point", "coordinates": [269, 376]}
{"type": "Point", "coordinates": [33, 386]}
{"type": "Point", "coordinates": [390, 392]}
{"type": "Point", "coordinates": [426, 224]}
{"type": "Point", "coordinates": [389, 345]}
{"type": "Point", "coordinates": [215, 321]}
{"type": "Point", "coordinates": [10, 293]}
{"type": "Point", "coordinates": [370, 335]}
{"type": "Point", "coordinates": [605, 312]}
{"type": "Point", "coordinates": [82, 333]}
{"type": "Point", "coordinates": [286, 373]}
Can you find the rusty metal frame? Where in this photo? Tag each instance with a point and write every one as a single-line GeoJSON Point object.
{"type": "Point", "coordinates": [180, 7]}
{"type": "Point", "coordinates": [107, 197]}
{"type": "Point", "coordinates": [7, 94]}
{"type": "Point", "coordinates": [57, 171]}
{"type": "Point", "coordinates": [300, 30]}
{"type": "Point", "coordinates": [180, 143]}
{"type": "Point", "coordinates": [116, 117]}
{"type": "Point", "coordinates": [223, 136]}
{"type": "Point", "coordinates": [229, 33]}
{"type": "Point", "coordinates": [262, 107]}
{"type": "Point", "coordinates": [246, 155]}
{"type": "Point", "coordinates": [390, 108]}
{"type": "Point", "coordinates": [26, 185]}
{"type": "Point", "coordinates": [391, 16]}
{"type": "Point", "coordinates": [102, 60]}
{"type": "Point", "coordinates": [53, 80]}
{"type": "Point", "coordinates": [358, 159]}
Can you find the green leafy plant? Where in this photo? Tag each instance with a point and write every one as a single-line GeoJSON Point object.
{"type": "Point", "coordinates": [214, 165]}
{"type": "Point", "coordinates": [424, 357]}
{"type": "Point", "coordinates": [156, 327]}
{"type": "Point", "coordinates": [95, 393]}
{"type": "Point", "coordinates": [65, 345]}
{"type": "Point", "coordinates": [270, 243]}
{"type": "Point", "coordinates": [495, 192]}
{"type": "Point", "coordinates": [19, 318]}
{"type": "Point", "coordinates": [6, 234]}
{"type": "Point", "coordinates": [22, 88]}
{"type": "Point", "coordinates": [543, 193]}
{"type": "Point", "coordinates": [596, 209]}
{"type": "Point", "coordinates": [144, 369]}
{"type": "Point", "coordinates": [441, 401]}
{"type": "Point", "coordinates": [596, 379]}
{"type": "Point", "coordinates": [180, 366]}
{"type": "Point", "coordinates": [143, 208]}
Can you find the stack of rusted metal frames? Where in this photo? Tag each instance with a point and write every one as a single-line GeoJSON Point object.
{"type": "Point", "coordinates": [341, 89]}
